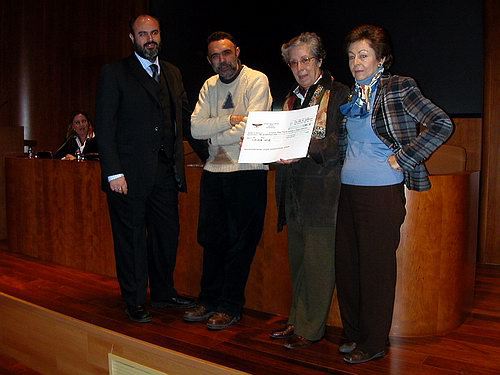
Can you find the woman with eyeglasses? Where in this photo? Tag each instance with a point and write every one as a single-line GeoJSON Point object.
{"type": "Point", "coordinates": [307, 192]}
{"type": "Point", "coordinates": [389, 130]}
{"type": "Point", "coordinates": [80, 138]}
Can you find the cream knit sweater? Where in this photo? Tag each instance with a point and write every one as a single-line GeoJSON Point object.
{"type": "Point", "coordinates": [211, 117]}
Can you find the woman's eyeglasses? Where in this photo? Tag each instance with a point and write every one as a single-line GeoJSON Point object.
{"type": "Point", "coordinates": [305, 61]}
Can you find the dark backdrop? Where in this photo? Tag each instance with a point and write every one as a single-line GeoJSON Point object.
{"type": "Point", "coordinates": [439, 43]}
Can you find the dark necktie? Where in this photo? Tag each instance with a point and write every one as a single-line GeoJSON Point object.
{"type": "Point", "coordinates": [154, 69]}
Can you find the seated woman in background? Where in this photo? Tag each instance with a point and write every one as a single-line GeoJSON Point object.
{"type": "Point", "coordinates": [80, 138]}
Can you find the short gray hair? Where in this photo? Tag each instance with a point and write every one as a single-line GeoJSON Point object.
{"type": "Point", "coordinates": [312, 40]}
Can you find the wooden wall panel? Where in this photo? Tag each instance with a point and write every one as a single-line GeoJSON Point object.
{"type": "Point", "coordinates": [4, 89]}
{"type": "Point", "coordinates": [490, 187]}
{"type": "Point", "coordinates": [54, 51]}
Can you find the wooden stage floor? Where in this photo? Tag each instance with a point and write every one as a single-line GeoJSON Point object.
{"type": "Point", "coordinates": [472, 348]}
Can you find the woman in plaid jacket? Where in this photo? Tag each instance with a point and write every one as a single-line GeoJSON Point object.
{"type": "Point", "coordinates": [389, 130]}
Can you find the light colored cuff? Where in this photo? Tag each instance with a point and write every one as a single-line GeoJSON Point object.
{"type": "Point", "coordinates": [115, 176]}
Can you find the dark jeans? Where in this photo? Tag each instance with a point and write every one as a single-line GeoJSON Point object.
{"type": "Point", "coordinates": [368, 233]}
{"type": "Point", "coordinates": [232, 210]}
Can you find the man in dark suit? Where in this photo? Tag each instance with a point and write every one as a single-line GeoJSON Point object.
{"type": "Point", "coordinates": [141, 117]}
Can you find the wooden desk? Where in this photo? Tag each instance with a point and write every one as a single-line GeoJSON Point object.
{"type": "Point", "coordinates": [56, 212]}
{"type": "Point", "coordinates": [11, 142]}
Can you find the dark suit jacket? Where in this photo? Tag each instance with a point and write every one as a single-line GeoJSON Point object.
{"type": "Point", "coordinates": [130, 123]}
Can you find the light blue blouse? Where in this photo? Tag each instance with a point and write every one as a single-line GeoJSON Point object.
{"type": "Point", "coordinates": [366, 157]}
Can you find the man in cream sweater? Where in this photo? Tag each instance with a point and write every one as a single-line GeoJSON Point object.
{"type": "Point", "coordinates": [233, 196]}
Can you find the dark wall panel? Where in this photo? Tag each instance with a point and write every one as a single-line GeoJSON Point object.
{"type": "Point", "coordinates": [50, 57]}
{"type": "Point", "coordinates": [439, 43]}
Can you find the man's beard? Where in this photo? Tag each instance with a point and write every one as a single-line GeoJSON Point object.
{"type": "Point", "coordinates": [148, 53]}
{"type": "Point", "coordinates": [229, 70]}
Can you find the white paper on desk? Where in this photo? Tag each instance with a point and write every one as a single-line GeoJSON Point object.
{"type": "Point", "coordinates": [271, 136]}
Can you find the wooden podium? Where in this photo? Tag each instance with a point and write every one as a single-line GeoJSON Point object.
{"type": "Point", "coordinates": [437, 257]}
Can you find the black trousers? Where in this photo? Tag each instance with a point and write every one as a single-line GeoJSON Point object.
{"type": "Point", "coordinates": [146, 235]}
{"type": "Point", "coordinates": [368, 234]}
{"type": "Point", "coordinates": [231, 219]}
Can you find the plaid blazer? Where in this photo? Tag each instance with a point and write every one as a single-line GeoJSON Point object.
{"type": "Point", "coordinates": [409, 124]}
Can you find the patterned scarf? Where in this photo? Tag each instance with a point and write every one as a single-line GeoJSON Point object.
{"type": "Point", "coordinates": [360, 99]}
{"type": "Point", "coordinates": [321, 97]}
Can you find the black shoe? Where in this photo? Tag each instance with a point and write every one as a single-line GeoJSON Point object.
{"type": "Point", "coordinates": [359, 356]}
{"type": "Point", "coordinates": [175, 302]}
{"type": "Point", "coordinates": [138, 314]}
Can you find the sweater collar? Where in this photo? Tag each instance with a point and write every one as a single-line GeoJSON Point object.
{"type": "Point", "coordinates": [228, 81]}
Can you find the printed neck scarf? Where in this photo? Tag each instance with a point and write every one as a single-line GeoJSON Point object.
{"type": "Point", "coordinates": [359, 104]}
{"type": "Point", "coordinates": [321, 97]}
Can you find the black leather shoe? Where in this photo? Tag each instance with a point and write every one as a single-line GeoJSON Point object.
{"type": "Point", "coordinates": [175, 302]}
{"type": "Point", "coordinates": [359, 356]}
{"type": "Point", "coordinates": [348, 347]}
{"type": "Point", "coordinates": [283, 333]}
{"type": "Point", "coordinates": [138, 314]}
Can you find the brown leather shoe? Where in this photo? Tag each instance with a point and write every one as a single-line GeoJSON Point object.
{"type": "Point", "coordinates": [222, 320]}
{"type": "Point", "coordinates": [297, 342]}
{"type": "Point", "coordinates": [198, 314]}
{"type": "Point", "coordinates": [283, 333]}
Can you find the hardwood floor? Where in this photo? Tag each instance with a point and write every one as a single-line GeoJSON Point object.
{"type": "Point", "coordinates": [9, 366]}
{"type": "Point", "coordinates": [473, 348]}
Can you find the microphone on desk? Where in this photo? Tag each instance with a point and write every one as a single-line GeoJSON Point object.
{"type": "Point", "coordinates": [62, 146]}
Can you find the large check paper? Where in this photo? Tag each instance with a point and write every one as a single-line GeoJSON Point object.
{"type": "Point", "coordinates": [271, 136]}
